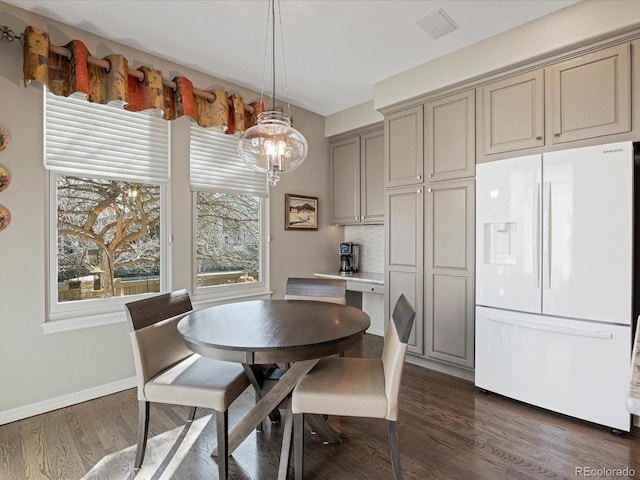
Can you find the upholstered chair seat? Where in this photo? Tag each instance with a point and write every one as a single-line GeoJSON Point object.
{"type": "Point", "coordinates": [350, 387]}
{"type": "Point", "coordinates": [198, 381]}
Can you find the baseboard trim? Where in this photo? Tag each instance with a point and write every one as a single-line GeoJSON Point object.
{"type": "Point", "coordinates": [375, 331]}
{"type": "Point", "coordinates": [441, 367]}
{"type": "Point", "coordinates": [45, 406]}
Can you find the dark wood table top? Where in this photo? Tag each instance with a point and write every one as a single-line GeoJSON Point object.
{"type": "Point", "coordinates": [273, 331]}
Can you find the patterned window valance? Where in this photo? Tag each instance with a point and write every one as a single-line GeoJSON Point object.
{"type": "Point", "coordinates": [73, 74]}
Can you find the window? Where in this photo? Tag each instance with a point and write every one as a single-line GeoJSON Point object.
{"type": "Point", "coordinates": [108, 238]}
{"type": "Point", "coordinates": [109, 170]}
{"type": "Point", "coordinates": [230, 202]}
{"type": "Point", "coordinates": [228, 238]}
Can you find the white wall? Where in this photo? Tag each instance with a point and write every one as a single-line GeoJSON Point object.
{"type": "Point", "coordinates": [573, 25]}
{"type": "Point", "coordinates": [48, 371]}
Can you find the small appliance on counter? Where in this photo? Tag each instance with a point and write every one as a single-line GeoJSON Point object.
{"type": "Point", "coordinates": [348, 257]}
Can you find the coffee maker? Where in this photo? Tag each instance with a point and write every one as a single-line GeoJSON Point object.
{"type": "Point", "coordinates": [348, 257]}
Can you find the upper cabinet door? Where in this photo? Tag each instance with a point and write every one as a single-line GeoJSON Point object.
{"type": "Point", "coordinates": [345, 166]}
{"type": "Point", "coordinates": [591, 95]}
{"type": "Point", "coordinates": [511, 113]}
{"type": "Point", "coordinates": [372, 177]}
{"type": "Point", "coordinates": [450, 137]}
{"type": "Point", "coordinates": [404, 147]}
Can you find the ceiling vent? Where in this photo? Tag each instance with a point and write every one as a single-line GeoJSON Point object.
{"type": "Point", "coordinates": [437, 24]}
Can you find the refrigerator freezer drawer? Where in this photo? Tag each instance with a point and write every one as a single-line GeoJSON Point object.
{"type": "Point", "coordinates": [576, 368]}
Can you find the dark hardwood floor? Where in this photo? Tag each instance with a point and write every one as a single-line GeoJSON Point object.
{"type": "Point", "coordinates": [448, 430]}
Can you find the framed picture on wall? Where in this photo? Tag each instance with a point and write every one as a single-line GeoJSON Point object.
{"type": "Point", "coordinates": [300, 212]}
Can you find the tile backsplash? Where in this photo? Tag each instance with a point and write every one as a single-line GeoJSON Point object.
{"type": "Point", "coordinates": [371, 241]}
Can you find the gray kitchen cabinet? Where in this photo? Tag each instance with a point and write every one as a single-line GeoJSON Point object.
{"type": "Point", "coordinates": [404, 237]}
{"type": "Point", "coordinates": [511, 113]}
{"type": "Point", "coordinates": [450, 137]}
{"type": "Point", "coordinates": [345, 173]}
{"type": "Point", "coordinates": [590, 96]}
{"type": "Point", "coordinates": [372, 177]}
{"type": "Point", "coordinates": [404, 147]}
{"type": "Point", "coordinates": [357, 166]}
{"type": "Point", "coordinates": [449, 272]}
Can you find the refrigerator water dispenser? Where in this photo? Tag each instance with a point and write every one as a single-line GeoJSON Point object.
{"type": "Point", "coordinates": [500, 243]}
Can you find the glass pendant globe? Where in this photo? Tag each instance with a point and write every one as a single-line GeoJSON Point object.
{"type": "Point", "coordinates": [273, 145]}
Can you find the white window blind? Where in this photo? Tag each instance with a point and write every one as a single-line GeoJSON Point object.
{"type": "Point", "coordinates": [84, 138]}
{"type": "Point", "coordinates": [217, 167]}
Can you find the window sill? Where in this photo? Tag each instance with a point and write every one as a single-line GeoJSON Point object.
{"type": "Point", "coordinates": [84, 321]}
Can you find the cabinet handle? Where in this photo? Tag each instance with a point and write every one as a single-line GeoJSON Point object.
{"type": "Point", "coordinates": [418, 191]}
{"type": "Point", "coordinates": [357, 218]}
{"type": "Point", "coordinates": [540, 138]}
{"type": "Point", "coordinates": [418, 177]}
{"type": "Point", "coordinates": [557, 135]}
{"type": "Point", "coordinates": [429, 190]}
{"type": "Point", "coordinates": [430, 175]}
{"type": "Point", "coordinates": [364, 217]}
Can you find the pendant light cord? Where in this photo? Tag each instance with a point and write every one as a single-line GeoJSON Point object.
{"type": "Point", "coordinates": [271, 15]}
{"type": "Point", "coordinates": [284, 63]}
{"type": "Point", "coordinates": [273, 52]}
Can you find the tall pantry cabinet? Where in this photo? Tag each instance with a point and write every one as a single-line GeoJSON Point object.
{"type": "Point", "coordinates": [449, 269]}
{"type": "Point", "coordinates": [429, 229]}
{"type": "Point", "coordinates": [404, 207]}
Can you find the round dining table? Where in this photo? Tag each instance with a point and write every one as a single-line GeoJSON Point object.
{"type": "Point", "coordinates": [255, 333]}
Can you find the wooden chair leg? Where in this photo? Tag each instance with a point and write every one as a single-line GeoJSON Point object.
{"type": "Point", "coordinates": [143, 431]}
{"type": "Point", "coordinates": [222, 430]}
{"type": "Point", "coordinates": [395, 451]}
{"type": "Point", "coordinates": [298, 444]}
{"type": "Point", "coordinates": [192, 414]}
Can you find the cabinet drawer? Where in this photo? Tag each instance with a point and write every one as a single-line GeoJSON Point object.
{"type": "Point", "coordinates": [365, 287]}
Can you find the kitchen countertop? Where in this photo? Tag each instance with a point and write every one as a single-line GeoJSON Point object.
{"type": "Point", "coordinates": [362, 277]}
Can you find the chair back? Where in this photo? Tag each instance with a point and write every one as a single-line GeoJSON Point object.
{"type": "Point", "coordinates": [154, 334]}
{"type": "Point", "coordinates": [394, 352]}
{"type": "Point", "coordinates": [317, 289]}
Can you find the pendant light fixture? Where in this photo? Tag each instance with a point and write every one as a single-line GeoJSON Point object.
{"type": "Point", "coordinates": [273, 146]}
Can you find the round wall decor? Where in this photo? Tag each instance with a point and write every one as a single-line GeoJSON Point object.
{"type": "Point", "coordinates": [5, 179]}
{"type": "Point", "coordinates": [4, 139]}
{"type": "Point", "coordinates": [5, 218]}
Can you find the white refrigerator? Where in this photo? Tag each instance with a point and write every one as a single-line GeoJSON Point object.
{"type": "Point", "coordinates": [554, 256]}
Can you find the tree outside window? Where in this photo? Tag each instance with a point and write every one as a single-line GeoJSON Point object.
{"type": "Point", "coordinates": [108, 238]}
{"type": "Point", "coordinates": [227, 238]}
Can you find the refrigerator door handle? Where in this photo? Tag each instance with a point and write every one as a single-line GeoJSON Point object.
{"type": "Point", "coordinates": [546, 235]}
{"type": "Point", "coordinates": [582, 332]}
{"type": "Point", "coordinates": [536, 242]}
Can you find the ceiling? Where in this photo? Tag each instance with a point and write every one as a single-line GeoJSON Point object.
{"type": "Point", "coordinates": [335, 50]}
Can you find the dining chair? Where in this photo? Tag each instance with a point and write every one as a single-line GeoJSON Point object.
{"type": "Point", "coordinates": [299, 288]}
{"type": "Point", "coordinates": [357, 387]}
{"type": "Point", "coordinates": [168, 372]}
{"type": "Point", "coordinates": [317, 289]}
